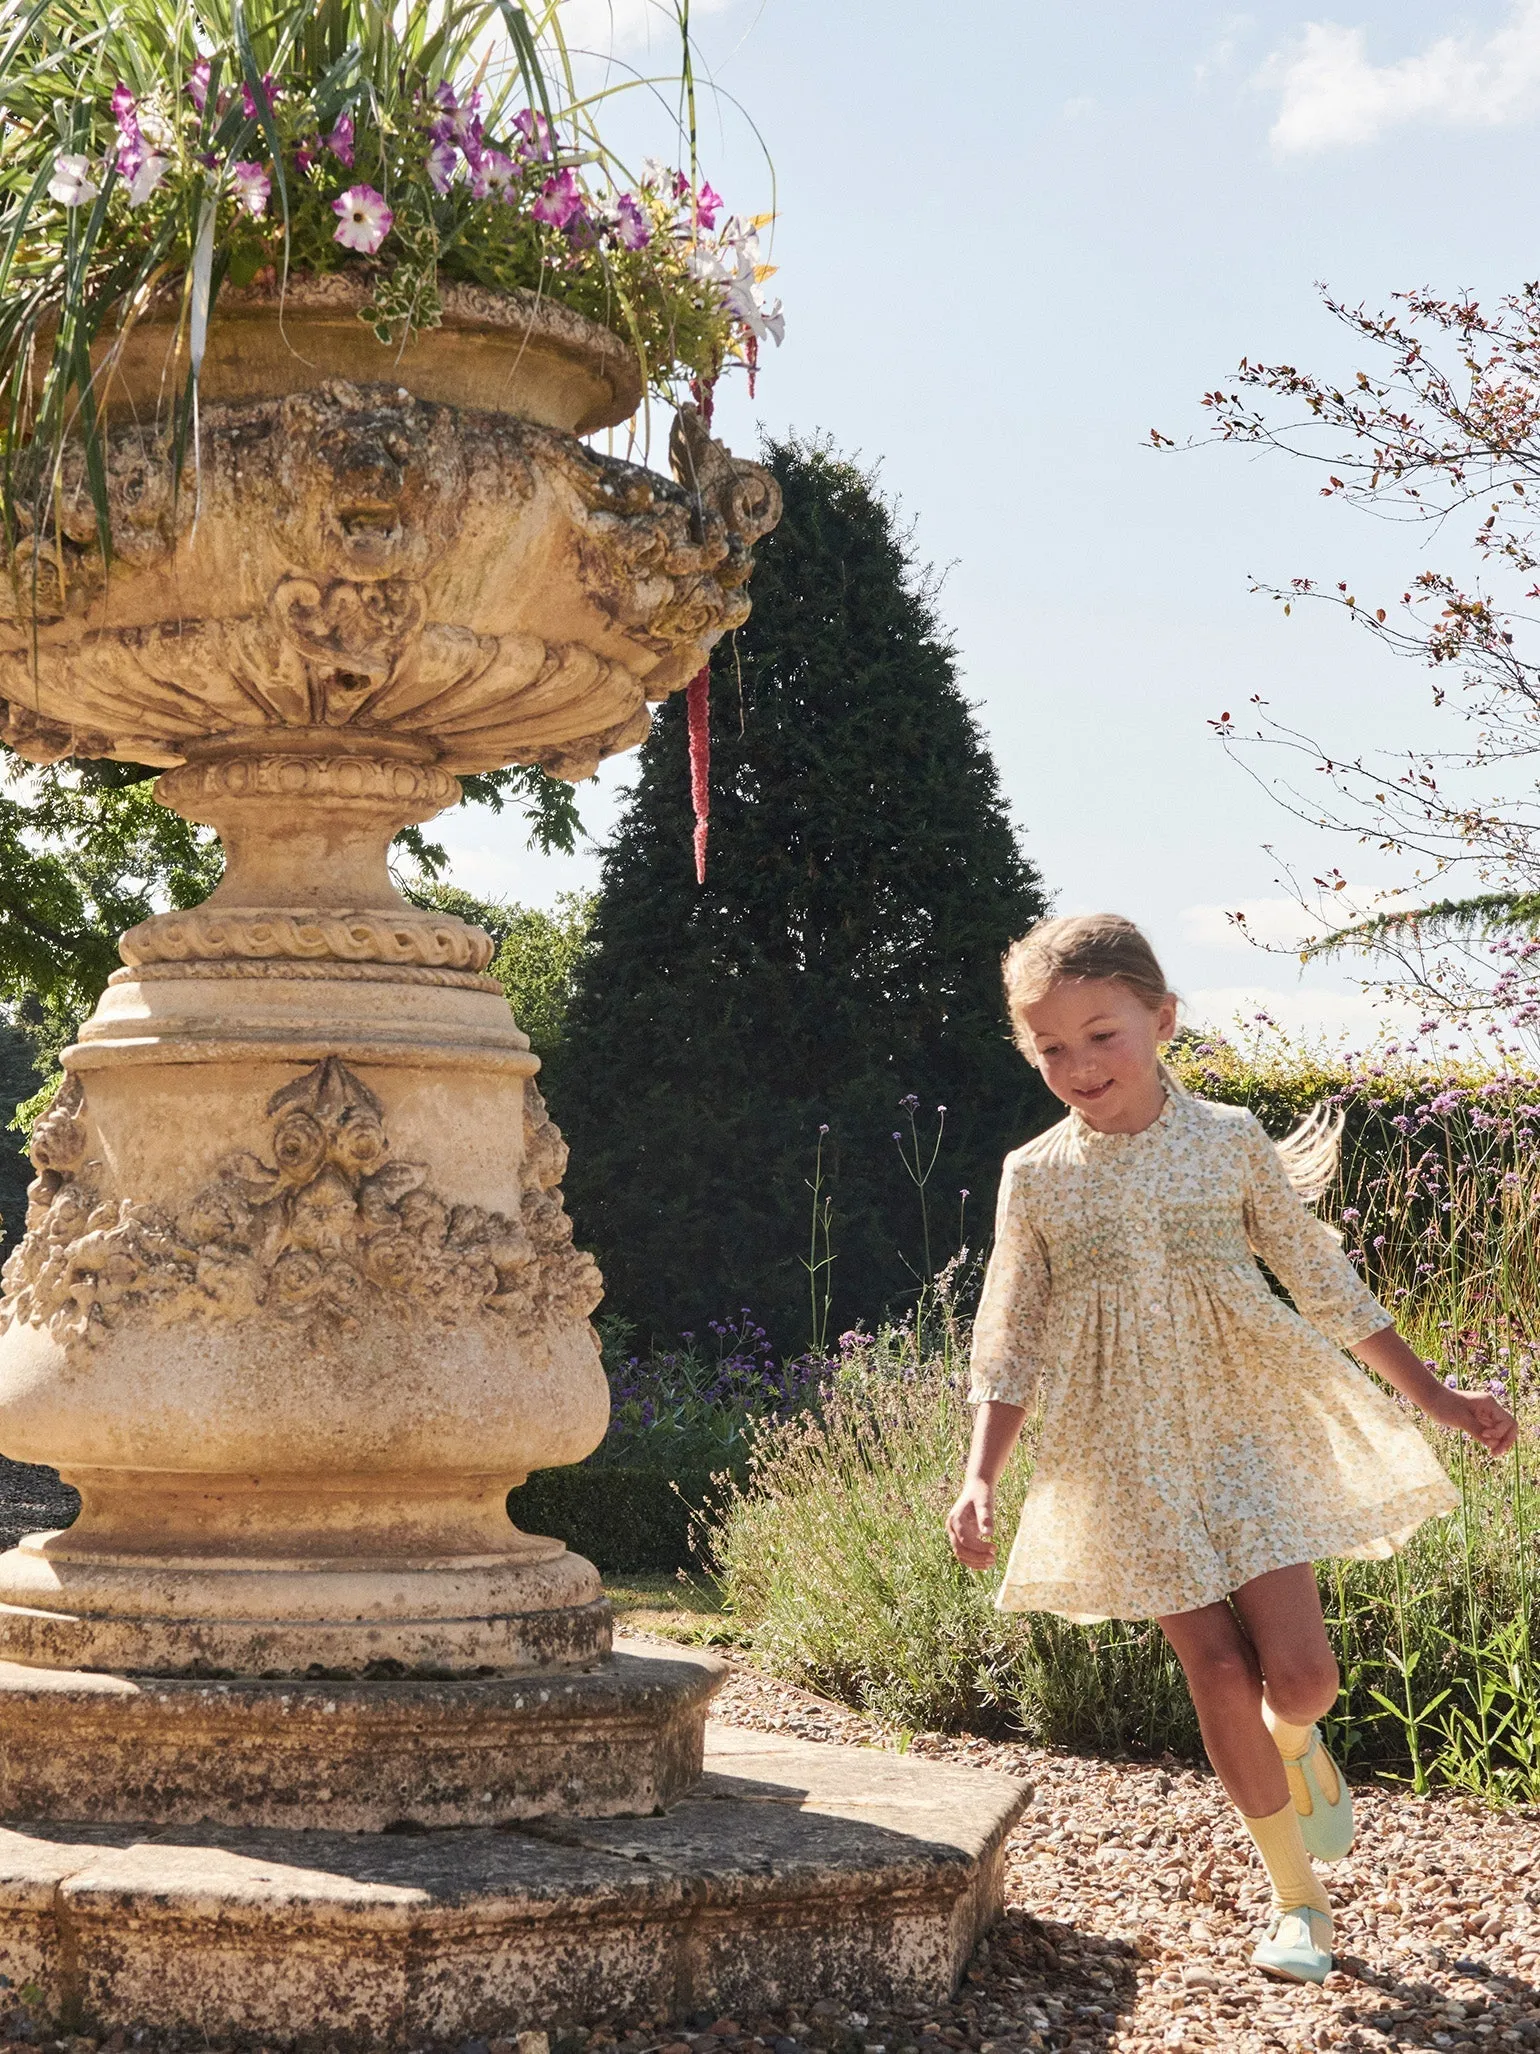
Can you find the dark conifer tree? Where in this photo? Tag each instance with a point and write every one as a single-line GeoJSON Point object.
{"type": "Point", "coordinates": [864, 878]}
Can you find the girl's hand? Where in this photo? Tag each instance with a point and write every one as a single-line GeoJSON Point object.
{"type": "Point", "coordinates": [970, 1525]}
{"type": "Point", "coordinates": [1484, 1418]}
{"type": "Point", "coordinates": [1467, 1412]}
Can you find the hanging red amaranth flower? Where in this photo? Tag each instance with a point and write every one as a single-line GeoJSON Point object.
{"type": "Point", "coordinates": [698, 705]}
{"type": "Point", "coordinates": [698, 699]}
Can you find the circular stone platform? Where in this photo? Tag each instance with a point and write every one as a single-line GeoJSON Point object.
{"type": "Point", "coordinates": [792, 1872]}
{"type": "Point", "coordinates": [621, 1736]}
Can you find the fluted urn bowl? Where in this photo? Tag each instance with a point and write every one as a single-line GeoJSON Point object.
{"type": "Point", "coordinates": [297, 1301]}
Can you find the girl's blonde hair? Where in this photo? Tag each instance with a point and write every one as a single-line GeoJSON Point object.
{"type": "Point", "coordinates": [1105, 945]}
{"type": "Point", "coordinates": [1102, 945]}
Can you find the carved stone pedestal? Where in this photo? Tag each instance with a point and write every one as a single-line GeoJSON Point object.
{"type": "Point", "coordinates": [297, 1302]}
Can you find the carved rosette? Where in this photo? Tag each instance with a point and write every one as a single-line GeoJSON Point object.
{"type": "Point", "coordinates": [378, 566]}
{"type": "Point", "coordinates": [328, 1232]}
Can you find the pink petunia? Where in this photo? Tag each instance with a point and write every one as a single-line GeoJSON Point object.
{"type": "Point", "coordinates": [708, 205]}
{"type": "Point", "coordinates": [536, 133]}
{"type": "Point", "coordinates": [560, 202]}
{"type": "Point", "coordinates": [198, 84]}
{"type": "Point", "coordinates": [492, 172]}
{"type": "Point", "coordinates": [252, 188]}
{"type": "Point", "coordinates": [363, 218]}
{"type": "Point", "coordinates": [340, 141]}
{"type": "Point", "coordinates": [443, 159]}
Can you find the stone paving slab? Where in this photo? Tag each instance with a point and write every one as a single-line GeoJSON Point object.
{"type": "Point", "coordinates": [795, 1873]}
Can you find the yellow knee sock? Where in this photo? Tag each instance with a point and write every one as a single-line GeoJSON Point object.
{"type": "Point", "coordinates": [1294, 1881]}
{"type": "Point", "coordinates": [1293, 1743]}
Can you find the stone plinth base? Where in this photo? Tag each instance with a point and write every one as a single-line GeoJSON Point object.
{"type": "Point", "coordinates": [623, 1736]}
{"type": "Point", "coordinates": [792, 1872]}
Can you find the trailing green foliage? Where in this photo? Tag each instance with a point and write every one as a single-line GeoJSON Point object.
{"type": "Point", "coordinates": [864, 878]}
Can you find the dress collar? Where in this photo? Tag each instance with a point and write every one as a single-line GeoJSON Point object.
{"type": "Point", "coordinates": [1092, 1138]}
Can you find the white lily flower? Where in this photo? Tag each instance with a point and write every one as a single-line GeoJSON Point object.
{"type": "Point", "coordinates": [71, 183]}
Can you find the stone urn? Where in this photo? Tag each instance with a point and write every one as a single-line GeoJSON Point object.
{"type": "Point", "coordinates": [297, 1301]}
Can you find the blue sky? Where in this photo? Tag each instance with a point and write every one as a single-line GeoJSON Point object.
{"type": "Point", "coordinates": [1012, 244]}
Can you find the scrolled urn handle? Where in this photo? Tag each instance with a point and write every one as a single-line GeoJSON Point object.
{"type": "Point", "coordinates": [744, 495]}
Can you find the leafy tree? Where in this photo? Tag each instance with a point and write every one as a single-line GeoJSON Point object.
{"type": "Point", "coordinates": [843, 955]}
{"type": "Point", "coordinates": [19, 1079]}
{"type": "Point", "coordinates": [536, 954]}
{"type": "Point", "coordinates": [1439, 428]}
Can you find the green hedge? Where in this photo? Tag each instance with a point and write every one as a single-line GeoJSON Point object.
{"type": "Point", "coordinates": [621, 1519]}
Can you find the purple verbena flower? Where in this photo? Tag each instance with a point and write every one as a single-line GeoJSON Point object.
{"type": "Point", "coordinates": [536, 133]}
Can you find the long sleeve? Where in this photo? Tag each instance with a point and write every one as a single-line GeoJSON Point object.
{"type": "Point", "coordinates": [1305, 1257]}
{"type": "Point", "coordinates": [1007, 1330]}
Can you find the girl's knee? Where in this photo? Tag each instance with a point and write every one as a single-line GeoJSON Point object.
{"type": "Point", "coordinates": [1220, 1672]}
{"type": "Point", "coordinates": [1302, 1687]}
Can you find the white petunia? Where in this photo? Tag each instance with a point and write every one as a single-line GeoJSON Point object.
{"type": "Point", "coordinates": [148, 175]}
{"type": "Point", "coordinates": [71, 183]}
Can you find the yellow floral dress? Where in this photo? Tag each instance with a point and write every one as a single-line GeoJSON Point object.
{"type": "Point", "coordinates": [1196, 1432]}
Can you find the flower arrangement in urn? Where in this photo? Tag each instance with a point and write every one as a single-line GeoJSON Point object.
{"type": "Point", "coordinates": [156, 156]}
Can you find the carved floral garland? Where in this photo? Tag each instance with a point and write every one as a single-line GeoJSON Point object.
{"type": "Point", "coordinates": [328, 1230]}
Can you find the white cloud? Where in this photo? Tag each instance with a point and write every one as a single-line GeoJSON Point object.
{"type": "Point", "coordinates": [1332, 95]}
{"type": "Point", "coordinates": [1225, 47]}
{"type": "Point", "coordinates": [1078, 108]}
{"type": "Point", "coordinates": [1279, 923]}
{"type": "Point", "coordinates": [1302, 1014]}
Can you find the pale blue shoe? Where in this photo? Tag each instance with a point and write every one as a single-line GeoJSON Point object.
{"type": "Point", "coordinates": [1296, 1947]}
{"type": "Point", "coordinates": [1326, 1829]}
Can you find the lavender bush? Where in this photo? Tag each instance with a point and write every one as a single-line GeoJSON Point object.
{"type": "Point", "coordinates": [700, 1405]}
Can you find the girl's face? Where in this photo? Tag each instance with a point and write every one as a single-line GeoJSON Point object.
{"type": "Point", "coordinates": [1098, 1046]}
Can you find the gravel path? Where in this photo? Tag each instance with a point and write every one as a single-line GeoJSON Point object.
{"type": "Point", "coordinates": [1133, 1899]}
{"type": "Point", "coordinates": [32, 1499]}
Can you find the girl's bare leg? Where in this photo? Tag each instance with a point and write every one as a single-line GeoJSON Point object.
{"type": "Point", "coordinates": [1225, 1679]}
{"type": "Point", "coordinates": [1281, 1613]}
{"type": "Point", "coordinates": [1272, 1628]}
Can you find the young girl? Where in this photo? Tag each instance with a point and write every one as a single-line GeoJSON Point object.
{"type": "Point", "coordinates": [1202, 1445]}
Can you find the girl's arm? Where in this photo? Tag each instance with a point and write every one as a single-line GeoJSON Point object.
{"type": "Point", "coordinates": [970, 1525]}
{"type": "Point", "coordinates": [1470, 1412]}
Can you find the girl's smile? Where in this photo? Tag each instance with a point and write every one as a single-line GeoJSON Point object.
{"type": "Point", "coordinates": [1097, 1044]}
